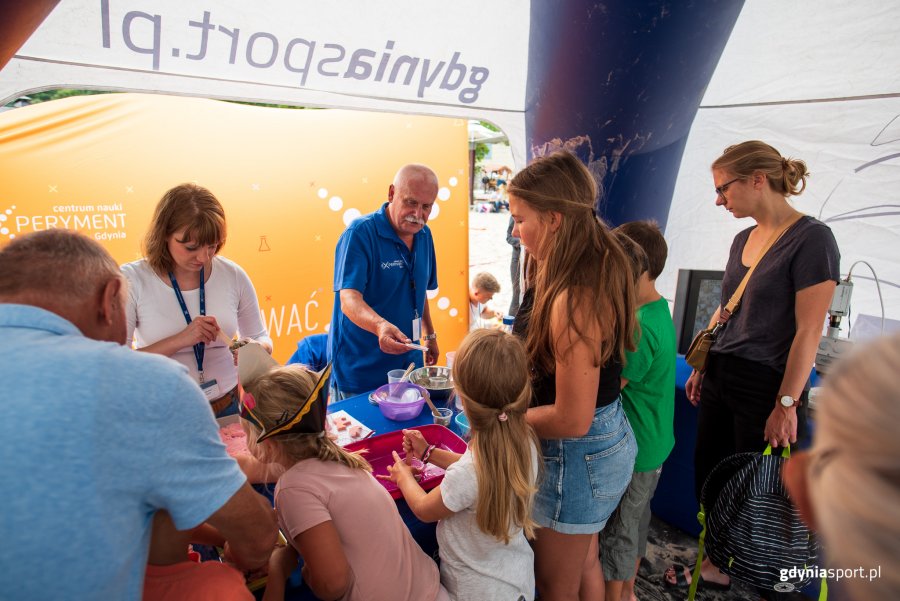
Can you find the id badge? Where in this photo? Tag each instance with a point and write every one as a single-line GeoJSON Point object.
{"type": "Point", "coordinates": [210, 388]}
{"type": "Point", "coordinates": [417, 328]}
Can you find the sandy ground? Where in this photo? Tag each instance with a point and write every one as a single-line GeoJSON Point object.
{"type": "Point", "coordinates": [488, 251]}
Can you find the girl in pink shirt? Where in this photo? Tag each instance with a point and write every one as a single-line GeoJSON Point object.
{"type": "Point", "coordinates": [334, 513]}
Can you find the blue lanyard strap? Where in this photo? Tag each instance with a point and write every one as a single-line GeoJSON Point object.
{"type": "Point", "coordinates": [410, 268]}
{"type": "Point", "coordinates": [199, 348]}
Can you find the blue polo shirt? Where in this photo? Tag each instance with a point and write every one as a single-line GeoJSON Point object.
{"type": "Point", "coordinates": [96, 438]}
{"type": "Point", "coordinates": [371, 258]}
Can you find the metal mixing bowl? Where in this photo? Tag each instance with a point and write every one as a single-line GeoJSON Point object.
{"type": "Point", "coordinates": [436, 379]}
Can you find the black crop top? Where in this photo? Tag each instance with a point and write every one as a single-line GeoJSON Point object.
{"type": "Point", "coordinates": [544, 385]}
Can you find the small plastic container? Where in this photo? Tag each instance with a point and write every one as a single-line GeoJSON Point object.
{"type": "Point", "coordinates": [508, 321]}
{"type": "Point", "coordinates": [396, 410]}
{"type": "Point", "coordinates": [395, 375]}
{"type": "Point", "coordinates": [444, 418]}
{"type": "Point", "coordinates": [462, 422]}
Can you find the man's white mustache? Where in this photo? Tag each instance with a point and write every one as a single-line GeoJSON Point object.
{"type": "Point", "coordinates": [414, 220]}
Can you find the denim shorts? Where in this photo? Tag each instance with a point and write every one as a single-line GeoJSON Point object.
{"type": "Point", "coordinates": [584, 478]}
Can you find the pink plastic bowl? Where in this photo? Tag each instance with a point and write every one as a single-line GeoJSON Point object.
{"type": "Point", "coordinates": [399, 411]}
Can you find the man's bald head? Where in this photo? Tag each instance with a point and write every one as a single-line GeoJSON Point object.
{"type": "Point", "coordinates": [60, 271]}
{"type": "Point", "coordinates": [415, 173]}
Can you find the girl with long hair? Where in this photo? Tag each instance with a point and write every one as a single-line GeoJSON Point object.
{"type": "Point", "coordinates": [484, 502]}
{"type": "Point", "coordinates": [328, 504]}
{"type": "Point", "coordinates": [577, 319]}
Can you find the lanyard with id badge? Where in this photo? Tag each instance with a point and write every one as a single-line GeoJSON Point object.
{"type": "Point", "coordinates": [210, 388]}
{"type": "Point", "coordinates": [410, 268]}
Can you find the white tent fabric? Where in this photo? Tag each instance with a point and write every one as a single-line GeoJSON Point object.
{"type": "Point", "coordinates": [820, 81]}
{"type": "Point", "coordinates": [817, 79]}
{"type": "Point", "coordinates": [356, 54]}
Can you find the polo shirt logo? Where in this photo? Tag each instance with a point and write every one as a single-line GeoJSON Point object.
{"type": "Point", "coordinates": [391, 264]}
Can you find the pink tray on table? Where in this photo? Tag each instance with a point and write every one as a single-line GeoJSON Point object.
{"type": "Point", "coordinates": [378, 453]}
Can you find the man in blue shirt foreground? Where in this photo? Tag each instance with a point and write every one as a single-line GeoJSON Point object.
{"type": "Point", "coordinates": [383, 265]}
{"type": "Point", "coordinates": [97, 438]}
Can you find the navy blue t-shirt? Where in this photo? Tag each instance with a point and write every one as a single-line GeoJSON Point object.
{"type": "Point", "coordinates": [763, 327]}
{"type": "Point", "coordinates": [372, 259]}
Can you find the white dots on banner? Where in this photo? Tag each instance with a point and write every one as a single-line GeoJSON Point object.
{"type": "Point", "coordinates": [323, 193]}
{"type": "Point", "coordinates": [444, 193]}
{"type": "Point", "coordinates": [443, 303]}
{"type": "Point", "coordinates": [435, 211]}
{"type": "Point", "coordinates": [431, 293]}
{"type": "Point", "coordinates": [453, 181]}
{"type": "Point", "coordinates": [350, 215]}
{"type": "Point", "coordinates": [453, 312]}
{"type": "Point", "coordinates": [335, 203]}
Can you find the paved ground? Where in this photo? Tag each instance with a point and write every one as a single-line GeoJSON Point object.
{"type": "Point", "coordinates": [488, 251]}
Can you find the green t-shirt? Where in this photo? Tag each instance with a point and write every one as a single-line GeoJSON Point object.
{"type": "Point", "coordinates": [649, 396]}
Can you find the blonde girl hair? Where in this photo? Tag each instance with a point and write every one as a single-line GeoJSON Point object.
{"type": "Point", "coordinates": [491, 375]}
{"type": "Point", "coordinates": [277, 393]}
{"type": "Point", "coordinates": [854, 467]}
{"type": "Point", "coordinates": [785, 176]}
{"type": "Point", "coordinates": [583, 258]}
{"type": "Point", "coordinates": [192, 208]}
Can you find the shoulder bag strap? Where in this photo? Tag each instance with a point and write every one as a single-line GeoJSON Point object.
{"type": "Point", "coordinates": [726, 313]}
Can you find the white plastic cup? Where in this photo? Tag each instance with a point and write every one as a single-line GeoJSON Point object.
{"type": "Point", "coordinates": [451, 355]}
{"type": "Point", "coordinates": [395, 375]}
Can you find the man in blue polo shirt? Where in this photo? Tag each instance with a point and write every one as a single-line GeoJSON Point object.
{"type": "Point", "coordinates": [383, 265]}
{"type": "Point", "coordinates": [98, 438]}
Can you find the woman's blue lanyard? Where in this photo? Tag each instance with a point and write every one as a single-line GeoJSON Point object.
{"type": "Point", "coordinates": [411, 268]}
{"type": "Point", "coordinates": [199, 348]}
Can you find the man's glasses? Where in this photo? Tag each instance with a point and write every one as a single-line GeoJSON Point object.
{"type": "Point", "coordinates": [721, 190]}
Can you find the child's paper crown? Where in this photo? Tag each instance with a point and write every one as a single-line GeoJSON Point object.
{"type": "Point", "coordinates": [309, 417]}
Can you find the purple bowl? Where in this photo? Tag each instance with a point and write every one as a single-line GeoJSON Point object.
{"type": "Point", "coordinates": [399, 411]}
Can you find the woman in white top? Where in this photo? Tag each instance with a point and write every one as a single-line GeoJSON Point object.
{"type": "Point", "coordinates": [185, 301]}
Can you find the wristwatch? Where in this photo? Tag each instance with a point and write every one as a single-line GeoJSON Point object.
{"type": "Point", "coordinates": [432, 336]}
{"type": "Point", "coordinates": [788, 401]}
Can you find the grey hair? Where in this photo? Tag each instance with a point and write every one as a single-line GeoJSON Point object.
{"type": "Point", "coordinates": [54, 267]}
{"type": "Point", "coordinates": [854, 467]}
{"type": "Point", "coordinates": [415, 172]}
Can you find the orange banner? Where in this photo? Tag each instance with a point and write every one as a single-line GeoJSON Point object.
{"type": "Point", "coordinates": [290, 181]}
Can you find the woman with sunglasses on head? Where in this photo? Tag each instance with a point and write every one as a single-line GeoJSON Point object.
{"type": "Point", "coordinates": [752, 392]}
{"type": "Point", "coordinates": [185, 300]}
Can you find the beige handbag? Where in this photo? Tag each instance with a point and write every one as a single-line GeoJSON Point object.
{"type": "Point", "coordinates": [698, 352]}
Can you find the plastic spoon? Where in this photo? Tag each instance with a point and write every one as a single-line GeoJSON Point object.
{"type": "Point", "coordinates": [405, 377]}
{"type": "Point", "coordinates": [434, 410]}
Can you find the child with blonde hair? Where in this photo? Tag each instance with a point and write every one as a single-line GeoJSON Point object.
{"type": "Point", "coordinates": [483, 505]}
{"type": "Point", "coordinates": [329, 506]}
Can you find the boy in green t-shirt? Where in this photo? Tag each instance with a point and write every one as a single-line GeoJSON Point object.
{"type": "Point", "coordinates": [648, 396]}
